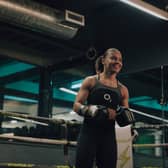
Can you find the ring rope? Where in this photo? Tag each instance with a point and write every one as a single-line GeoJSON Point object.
{"type": "Point", "coordinates": [39, 140]}
{"type": "Point", "coordinates": [37, 118]}
{"type": "Point", "coordinates": [150, 145]}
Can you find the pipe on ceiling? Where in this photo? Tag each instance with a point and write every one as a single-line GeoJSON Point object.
{"type": "Point", "coordinates": [40, 18]}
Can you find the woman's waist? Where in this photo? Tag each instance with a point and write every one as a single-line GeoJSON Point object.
{"type": "Point", "coordinates": [94, 125]}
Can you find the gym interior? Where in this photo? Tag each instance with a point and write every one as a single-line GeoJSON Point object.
{"type": "Point", "coordinates": [48, 47]}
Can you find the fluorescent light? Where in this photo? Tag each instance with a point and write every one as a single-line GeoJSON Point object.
{"type": "Point", "coordinates": [146, 7]}
{"type": "Point", "coordinates": [76, 84]}
{"type": "Point", "coordinates": [68, 91]}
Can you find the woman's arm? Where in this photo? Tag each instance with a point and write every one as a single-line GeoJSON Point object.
{"type": "Point", "coordinates": [82, 94]}
{"type": "Point", "coordinates": [125, 96]}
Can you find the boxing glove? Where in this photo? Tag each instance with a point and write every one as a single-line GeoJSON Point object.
{"type": "Point", "coordinates": [91, 110]}
{"type": "Point", "coordinates": [124, 116]}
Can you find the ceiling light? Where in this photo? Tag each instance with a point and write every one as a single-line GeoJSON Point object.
{"type": "Point", "coordinates": [148, 8]}
{"type": "Point", "coordinates": [68, 91]}
{"type": "Point", "coordinates": [76, 84]}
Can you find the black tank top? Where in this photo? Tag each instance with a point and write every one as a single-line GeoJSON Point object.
{"type": "Point", "coordinates": [103, 95]}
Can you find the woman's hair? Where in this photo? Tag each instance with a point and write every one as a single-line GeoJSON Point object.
{"type": "Point", "coordinates": [99, 67]}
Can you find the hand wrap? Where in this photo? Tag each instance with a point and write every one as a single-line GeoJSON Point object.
{"type": "Point", "coordinates": [92, 110]}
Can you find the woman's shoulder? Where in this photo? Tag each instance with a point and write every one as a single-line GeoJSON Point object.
{"type": "Point", "coordinates": [122, 86]}
{"type": "Point", "coordinates": [90, 80]}
{"type": "Point", "coordinates": [91, 77]}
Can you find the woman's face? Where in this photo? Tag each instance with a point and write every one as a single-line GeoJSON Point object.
{"type": "Point", "coordinates": [112, 62]}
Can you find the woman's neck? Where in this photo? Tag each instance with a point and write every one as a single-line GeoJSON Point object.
{"type": "Point", "coordinates": [109, 80]}
{"type": "Point", "coordinates": [107, 75]}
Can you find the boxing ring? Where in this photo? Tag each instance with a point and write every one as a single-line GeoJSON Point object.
{"type": "Point", "coordinates": [33, 152]}
{"type": "Point", "coordinates": [124, 147]}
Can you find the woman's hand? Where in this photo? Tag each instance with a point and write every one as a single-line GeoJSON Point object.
{"type": "Point", "coordinates": [111, 114]}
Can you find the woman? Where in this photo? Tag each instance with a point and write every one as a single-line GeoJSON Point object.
{"type": "Point", "coordinates": [97, 100]}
